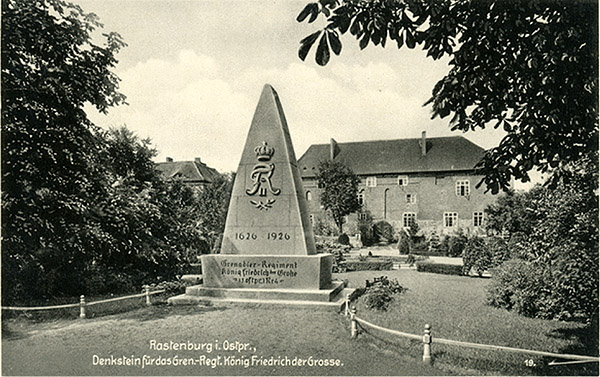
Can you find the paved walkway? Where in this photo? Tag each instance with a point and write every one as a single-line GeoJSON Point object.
{"type": "Point", "coordinates": [391, 250]}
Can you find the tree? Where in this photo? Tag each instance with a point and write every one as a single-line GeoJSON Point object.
{"type": "Point", "coordinates": [530, 67]}
{"type": "Point", "coordinates": [213, 203]}
{"type": "Point", "coordinates": [339, 190]}
{"type": "Point", "coordinates": [554, 270]}
{"type": "Point", "coordinates": [512, 212]}
{"type": "Point", "coordinates": [128, 158]}
{"type": "Point", "coordinates": [51, 175]}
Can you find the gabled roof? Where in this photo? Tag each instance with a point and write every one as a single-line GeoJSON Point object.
{"type": "Point", "coordinates": [188, 171]}
{"type": "Point", "coordinates": [444, 154]}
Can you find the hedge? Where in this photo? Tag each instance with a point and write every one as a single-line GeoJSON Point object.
{"type": "Point", "coordinates": [429, 253]}
{"type": "Point", "coordinates": [369, 265]}
{"type": "Point", "coordinates": [439, 268]}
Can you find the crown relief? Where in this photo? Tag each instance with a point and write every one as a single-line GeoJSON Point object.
{"type": "Point", "coordinates": [264, 152]}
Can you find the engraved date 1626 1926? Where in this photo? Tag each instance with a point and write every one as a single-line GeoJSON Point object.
{"type": "Point", "coordinates": [270, 236]}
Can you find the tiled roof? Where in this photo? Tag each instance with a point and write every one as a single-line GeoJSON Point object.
{"type": "Point", "coordinates": [444, 154]}
{"type": "Point", "coordinates": [188, 171]}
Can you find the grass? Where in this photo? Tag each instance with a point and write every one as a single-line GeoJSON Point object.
{"type": "Point", "coordinates": [67, 347]}
{"type": "Point", "coordinates": [92, 311]}
{"type": "Point", "coordinates": [455, 308]}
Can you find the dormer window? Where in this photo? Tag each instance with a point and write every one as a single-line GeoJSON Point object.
{"type": "Point", "coordinates": [371, 181]}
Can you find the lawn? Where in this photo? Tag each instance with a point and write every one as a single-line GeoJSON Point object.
{"type": "Point", "coordinates": [455, 308]}
{"type": "Point", "coordinates": [67, 347]}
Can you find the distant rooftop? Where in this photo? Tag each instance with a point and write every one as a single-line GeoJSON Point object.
{"type": "Point", "coordinates": [191, 172]}
{"type": "Point", "coordinates": [441, 154]}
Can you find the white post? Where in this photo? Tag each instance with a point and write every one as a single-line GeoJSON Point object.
{"type": "Point", "coordinates": [427, 345]}
{"type": "Point", "coordinates": [353, 324]}
{"type": "Point", "coordinates": [147, 289]}
{"type": "Point", "coordinates": [347, 309]}
{"type": "Point", "coordinates": [82, 307]}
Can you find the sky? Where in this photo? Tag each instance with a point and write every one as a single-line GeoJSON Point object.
{"type": "Point", "coordinates": [193, 72]}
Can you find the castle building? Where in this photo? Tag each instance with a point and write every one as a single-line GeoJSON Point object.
{"type": "Point", "coordinates": [428, 181]}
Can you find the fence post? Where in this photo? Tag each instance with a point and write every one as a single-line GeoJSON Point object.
{"type": "Point", "coordinates": [347, 309]}
{"type": "Point", "coordinates": [147, 290]}
{"type": "Point", "coordinates": [427, 345]}
{"type": "Point", "coordinates": [82, 307]}
{"type": "Point", "coordinates": [353, 324]}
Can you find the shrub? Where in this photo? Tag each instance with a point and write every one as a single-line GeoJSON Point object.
{"type": "Point", "coordinates": [456, 245]}
{"type": "Point", "coordinates": [434, 242]}
{"type": "Point", "coordinates": [476, 256]}
{"type": "Point", "coordinates": [324, 228]}
{"type": "Point", "coordinates": [384, 232]}
{"type": "Point", "coordinates": [545, 290]}
{"type": "Point", "coordinates": [371, 265]}
{"type": "Point", "coordinates": [339, 262]}
{"type": "Point", "coordinates": [499, 250]}
{"type": "Point", "coordinates": [443, 249]}
{"type": "Point", "coordinates": [411, 260]}
{"type": "Point", "coordinates": [422, 245]}
{"type": "Point", "coordinates": [380, 293]}
{"type": "Point", "coordinates": [337, 250]}
{"type": "Point", "coordinates": [523, 287]}
{"type": "Point", "coordinates": [365, 228]}
{"type": "Point", "coordinates": [343, 239]}
{"type": "Point", "coordinates": [403, 244]}
{"type": "Point", "coordinates": [440, 268]}
{"type": "Point", "coordinates": [171, 287]}
{"type": "Point", "coordinates": [328, 246]}
{"type": "Point", "coordinates": [435, 253]}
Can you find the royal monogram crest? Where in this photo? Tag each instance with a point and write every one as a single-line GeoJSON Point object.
{"type": "Point", "coordinates": [261, 177]}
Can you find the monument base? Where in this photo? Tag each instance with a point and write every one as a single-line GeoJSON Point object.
{"type": "Point", "coordinates": [267, 279]}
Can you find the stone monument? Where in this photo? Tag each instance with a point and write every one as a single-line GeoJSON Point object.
{"type": "Point", "coordinates": [268, 251]}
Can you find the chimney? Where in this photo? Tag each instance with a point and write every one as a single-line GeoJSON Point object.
{"type": "Point", "coordinates": [198, 160]}
{"type": "Point", "coordinates": [423, 144]}
{"type": "Point", "coordinates": [333, 149]}
{"type": "Point", "coordinates": [169, 159]}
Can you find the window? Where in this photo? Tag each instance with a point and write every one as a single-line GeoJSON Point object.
{"type": "Point", "coordinates": [402, 180]}
{"type": "Point", "coordinates": [308, 195]}
{"type": "Point", "coordinates": [371, 181]}
{"type": "Point", "coordinates": [477, 218]}
{"type": "Point", "coordinates": [462, 188]}
{"type": "Point", "coordinates": [450, 219]}
{"type": "Point", "coordinates": [312, 219]}
{"type": "Point", "coordinates": [411, 198]}
{"type": "Point", "coordinates": [362, 216]}
{"type": "Point", "coordinates": [361, 197]}
{"type": "Point", "coordinates": [408, 218]}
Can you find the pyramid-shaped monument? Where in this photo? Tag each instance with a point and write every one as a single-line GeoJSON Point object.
{"type": "Point", "coordinates": [268, 213]}
{"type": "Point", "coordinates": [268, 250]}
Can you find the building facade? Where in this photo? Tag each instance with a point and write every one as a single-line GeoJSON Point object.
{"type": "Point", "coordinates": [428, 181]}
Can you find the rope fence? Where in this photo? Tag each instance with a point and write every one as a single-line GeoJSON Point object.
{"type": "Point", "coordinates": [427, 341]}
{"type": "Point", "coordinates": [83, 304]}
